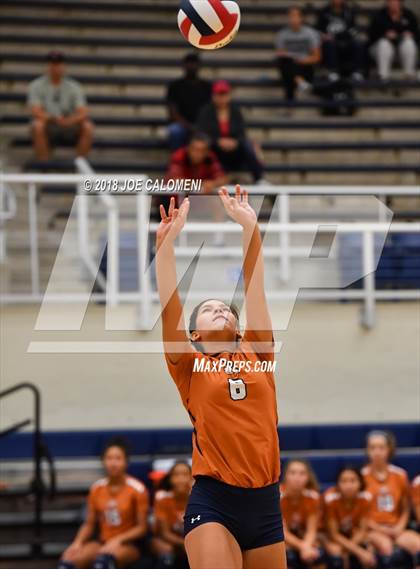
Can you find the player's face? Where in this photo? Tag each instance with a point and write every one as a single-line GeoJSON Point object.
{"type": "Point", "coordinates": [295, 19]}
{"type": "Point", "coordinates": [378, 450]}
{"type": "Point", "coordinates": [215, 315]}
{"type": "Point", "coordinates": [115, 462]}
{"type": "Point", "coordinates": [197, 151]}
{"type": "Point", "coordinates": [349, 484]}
{"type": "Point", "coordinates": [181, 479]}
{"type": "Point", "coordinates": [297, 476]}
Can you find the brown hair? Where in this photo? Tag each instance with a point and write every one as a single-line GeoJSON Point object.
{"type": "Point", "coordinates": [193, 319]}
{"type": "Point", "coordinates": [389, 438]}
{"type": "Point", "coordinates": [312, 483]}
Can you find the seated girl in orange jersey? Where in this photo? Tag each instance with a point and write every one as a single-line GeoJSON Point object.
{"type": "Point", "coordinates": [169, 509]}
{"type": "Point", "coordinates": [119, 505]}
{"type": "Point", "coordinates": [301, 507]}
{"type": "Point", "coordinates": [346, 511]}
{"type": "Point", "coordinates": [226, 382]}
{"type": "Point", "coordinates": [390, 511]}
{"type": "Point", "coordinates": [415, 499]}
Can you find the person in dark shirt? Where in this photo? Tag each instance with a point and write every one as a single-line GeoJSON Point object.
{"type": "Point", "coordinates": [394, 30]}
{"type": "Point", "coordinates": [223, 122]}
{"type": "Point", "coordinates": [185, 97]}
{"type": "Point", "coordinates": [342, 50]}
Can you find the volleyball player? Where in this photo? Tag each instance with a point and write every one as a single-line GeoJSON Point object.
{"type": "Point", "coordinates": [169, 509]}
{"type": "Point", "coordinates": [233, 517]}
{"type": "Point", "coordinates": [415, 499]}
{"type": "Point", "coordinates": [117, 503]}
{"type": "Point", "coordinates": [347, 508]}
{"type": "Point", "coordinates": [300, 504]}
{"type": "Point", "coordinates": [390, 512]}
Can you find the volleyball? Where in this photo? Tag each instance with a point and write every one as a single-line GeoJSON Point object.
{"type": "Point", "coordinates": [209, 24]}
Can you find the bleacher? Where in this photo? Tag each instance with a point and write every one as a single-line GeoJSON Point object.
{"type": "Point", "coordinates": [328, 447]}
{"type": "Point", "coordinates": [125, 53]}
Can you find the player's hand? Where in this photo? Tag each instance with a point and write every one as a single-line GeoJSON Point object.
{"type": "Point", "coordinates": [367, 558]}
{"type": "Point", "coordinates": [111, 546]}
{"type": "Point", "coordinates": [238, 207]}
{"type": "Point", "coordinates": [172, 222]}
{"type": "Point", "coordinates": [74, 548]}
{"type": "Point", "coordinates": [309, 553]}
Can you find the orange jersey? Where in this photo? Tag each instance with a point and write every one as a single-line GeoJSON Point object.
{"type": "Point", "coordinates": [167, 508]}
{"type": "Point", "coordinates": [388, 494]}
{"type": "Point", "coordinates": [347, 516]}
{"type": "Point", "coordinates": [117, 513]}
{"type": "Point", "coordinates": [415, 491]}
{"type": "Point", "coordinates": [234, 416]}
{"type": "Point", "coordinates": [297, 509]}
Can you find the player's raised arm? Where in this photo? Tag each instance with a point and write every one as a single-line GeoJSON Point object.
{"type": "Point", "coordinates": [258, 321]}
{"type": "Point", "coordinates": [172, 312]}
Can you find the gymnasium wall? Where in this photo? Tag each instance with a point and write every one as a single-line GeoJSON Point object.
{"type": "Point", "coordinates": [329, 370]}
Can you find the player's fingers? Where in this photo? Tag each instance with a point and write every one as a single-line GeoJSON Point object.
{"type": "Point", "coordinates": [162, 212]}
{"type": "Point", "coordinates": [171, 206]}
{"type": "Point", "coordinates": [245, 196]}
{"type": "Point", "coordinates": [224, 196]}
{"type": "Point", "coordinates": [238, 192]}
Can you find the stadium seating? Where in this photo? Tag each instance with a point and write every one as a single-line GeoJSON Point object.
{"type": "Point", "coordinates": [125, 73]}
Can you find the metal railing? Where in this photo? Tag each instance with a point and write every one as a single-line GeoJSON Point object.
{"type": "Point", "coordinates": [40, 451]}
{"type": "Point", "coordinates": [283, 228]}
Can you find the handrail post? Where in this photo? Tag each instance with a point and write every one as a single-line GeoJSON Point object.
{"type": "Point", "coordinates": [284, 218]}
{"type": "Point", "coordinates": [368, 252]}
{"type": "Point", "coordinates": [144, 283]}
{"type": "Point", "coordinates": [33, 239]}
{"type": "Point", "coordinates": [113, 273]}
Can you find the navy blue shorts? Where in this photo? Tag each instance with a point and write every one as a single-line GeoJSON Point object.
{"type": "Point", "coordinates": [252, 515]}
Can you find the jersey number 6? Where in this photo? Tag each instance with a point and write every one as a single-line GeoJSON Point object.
{"type": "Point", "coordinates": [237, 389]}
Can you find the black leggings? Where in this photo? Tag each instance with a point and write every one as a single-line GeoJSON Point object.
{"type": "Point", "coordinates": [242, 157]}
{"type": "Point", "coordinates": [289, 70]}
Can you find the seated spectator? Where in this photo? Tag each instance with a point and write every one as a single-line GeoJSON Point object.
{"type": "Point", "coordinates": [389, 515]}
{"type": "Point", "coordinates": [298, 51]}
{"type": "Point", "coordinates": [59, 111]}
{"type": "Point", "coordinates": [169, 508]}
{"type": "Point", "coordinates": [394, 31]}
{"type": "Point", "coordinates": [415, 498]}
{"type": "Point", "coordinates": [343, 52]}
{"type": "Point", "coordinates": [301, 507]}
{"type": "Point", "coordinates": [185, 97]}
{"type": "Point", "coordinates": [197, 162]}
{"type": "Point", "coordinates": [118, 504]}
{"type": "Point", "coordinates": [347, 508]}
{"type": "Point", "coordinates": [223, 122]}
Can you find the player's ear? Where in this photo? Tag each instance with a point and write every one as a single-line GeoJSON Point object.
{"type": "Point", "coordinates": [194, 336]}
{"type": "Point", "coordinates": [238, 336]}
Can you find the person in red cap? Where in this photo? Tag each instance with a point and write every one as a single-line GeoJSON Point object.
{"type": "Point", "coordinates": [223, 122]}
{"type": "Point", "coordinates": [59, 110]}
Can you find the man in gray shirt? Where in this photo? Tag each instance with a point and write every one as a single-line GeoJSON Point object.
{"type": "Point", "coordinates": [298, 51]}
{"type": "Point", "coordinates": [59, 110]}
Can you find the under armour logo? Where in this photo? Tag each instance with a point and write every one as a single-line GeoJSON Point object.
{"type": "Point", "coordinates": [195, 519]}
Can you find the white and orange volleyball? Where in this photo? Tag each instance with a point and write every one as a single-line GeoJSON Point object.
{"type": "Point", "coordinates": [209, 24]}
